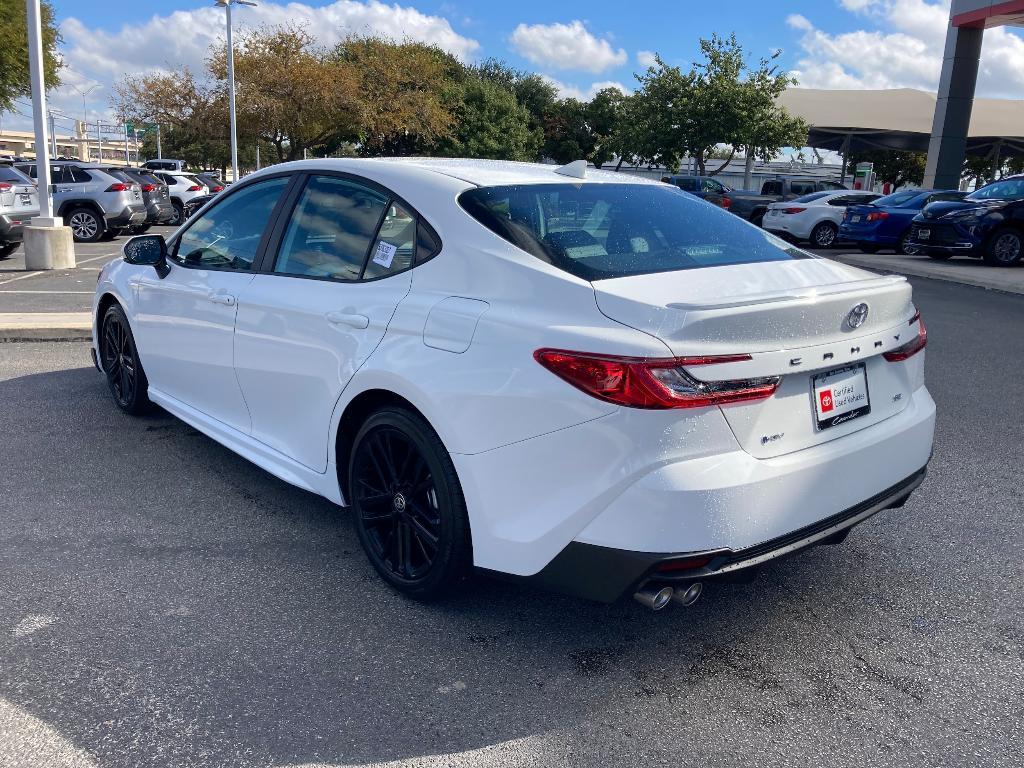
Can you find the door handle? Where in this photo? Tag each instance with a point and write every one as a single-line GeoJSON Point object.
{"type": "Point", "coordinates": [222, 298]}
{"type": "Point", "coordinates": [346, 318]}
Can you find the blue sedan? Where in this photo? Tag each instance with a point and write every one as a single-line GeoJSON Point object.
{"type": "Point", "coordinates": [885, 223]}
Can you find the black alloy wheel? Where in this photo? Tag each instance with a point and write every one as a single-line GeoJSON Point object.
{"type": "Point", "coordinates": [179, 214]}
{"type": "Point", "coordinates": [120, 358]}
{"type": "Point", "coordinates": [1005, 248]}
{"type": "Point", "coordinates": [410, 514]}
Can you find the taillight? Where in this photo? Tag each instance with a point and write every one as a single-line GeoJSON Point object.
{"type": "Point", "coordinates": [217, 189]}
{"type": "Point", "coordinates": [913, 346]}
{"type": "Point", "coordinates": [794, 209]}
{"type": "Point", "coordinates": [640, 382]}
{"type": "Point", "coordinates": [118, 187]}
{"type": "Point", "coordinates": [5, 187]}
{"type": "Point", "coordinates": [877, 216]}
{"type": "Point", "coordinates": [194, 188]}
{"type": "Point", "coordinates": [726, 202]}
{"type": "Point", "coordinates": [148, 187]}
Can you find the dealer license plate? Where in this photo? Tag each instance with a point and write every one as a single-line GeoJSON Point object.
{"type": "Point", "coordinates": [855, 218]}
{"type": "Point", "coordinates": [924, 234]}
{"type": "Point", "coordinates": [840, 395]}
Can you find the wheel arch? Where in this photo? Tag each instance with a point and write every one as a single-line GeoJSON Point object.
{"type": "Point", "coordinates": [70, 205]}
{"type": "Point", "coordinates": [355, 412]}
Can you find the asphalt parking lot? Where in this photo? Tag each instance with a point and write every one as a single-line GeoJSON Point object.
{"type": "Point", "coordinates": [166, 603]}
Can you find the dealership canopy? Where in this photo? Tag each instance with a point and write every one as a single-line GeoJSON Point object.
{"type": "Point", "coordinates": [900, 118]}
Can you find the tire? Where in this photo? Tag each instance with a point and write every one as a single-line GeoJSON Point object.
{"type": "Point", "coordinates": [86, 225]}
{"type": "Point", "coordinates": [824, 235]}
{"type": "Point", "coordinates": [120, 358]}
{"type": "Point", "coordinates": [904, 246]}
{"type": "Point", "coordinates": [7, 249]}
{"type": "Point", "coordinates": [758, 219]}
{"type": "Point", "coordinates": [179, 214]}
{"type": "Point", "coordinates": [1005, 248]}
{"type": "Point", "coordinates": [408, 507]}
{"type": "Point", "coordinates": [868, 247]}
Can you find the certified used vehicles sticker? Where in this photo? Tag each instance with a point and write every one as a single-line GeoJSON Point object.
{"type": "Point", "coordinates": [385, 254]}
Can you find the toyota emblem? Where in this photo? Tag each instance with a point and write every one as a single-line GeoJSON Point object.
{"type": "Point", "coordinates": [857, 315]}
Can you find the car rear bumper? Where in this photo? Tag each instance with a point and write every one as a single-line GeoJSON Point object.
{"type": "Point", "coordinates": [127, 216]}
{"type": "Point", "coordinates": [688, 489]}
{"type": "Point", "coordinates": [605, 574]}
{"type": "Point", "coordinates": [865, 235]}
{"type": "Point", "coordinates": [159, 212]}
{"type": "Point", "coordinates": [12, 226]}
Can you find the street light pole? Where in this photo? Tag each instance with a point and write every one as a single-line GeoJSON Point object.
{"type": "Point", "coordinates": [35, 58]}
{"type": "Point", "coordinates": [85, 116]}
{"type": "Point", "coordinates": [226, 5]}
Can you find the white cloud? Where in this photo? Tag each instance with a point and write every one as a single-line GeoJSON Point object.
{"type": "Point", "coordinates": [183, 38]}
{"type": "Point", "coordinates": [565, 46]}
{"type": "Point", "coordinates": [646, 58]}
{"type": "Point", "coordinates": [905, 51]}
{"type": "Point", "coordinates": [569, 91]}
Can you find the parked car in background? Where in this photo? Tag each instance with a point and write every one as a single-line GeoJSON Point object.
{"type": "Point", "coordinates": [165, 164]}
{"type": "Point", "coordinates": [181, 187]}
{"type": "Point", "coordinates": [19, 202]}
{"type": "Point", "coordinates": [92, 202]}
{"type": "Point", "coordinates": [988, 223]}
{"type": "Point", "coordinates": [752, 206]}
{"type": "Point", "coordinates": [815, 217]}
{"type": "Point", "coordinates": [211, 182]}
{"type": "Point", "coordinates": [159, 209]}
{"type": "Point", "coordinates": [886, 222]}
{"type": "Point", "coordinates": [417, 338]}
{"type": "Point", "coordinates": [195, 204]}
{"type": "Point", "coordinates": [704, 187]}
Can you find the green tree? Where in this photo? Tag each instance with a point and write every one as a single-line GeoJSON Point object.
{"type": "Point", "coordinates": [408, 94]}
{"type": "Point", "coordinates": [491, 123]}
{"type": "Point", "coordinates": [533, 92]}
{"type": "Point", "coordinates": [15, 80]}
{"type": "Point", "coordinates": [567, 134]}
{"type": "Point", "coordinates": [604, 115]}
{"type": "Point", "coordinates": [893, 166]}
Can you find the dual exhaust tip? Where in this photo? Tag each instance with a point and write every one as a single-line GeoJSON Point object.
{"type": "Point", "coordinates": [658, 596]}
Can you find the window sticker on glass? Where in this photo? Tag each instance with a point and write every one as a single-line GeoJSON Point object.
{"type": "Point", "coordinates": [385, 254]}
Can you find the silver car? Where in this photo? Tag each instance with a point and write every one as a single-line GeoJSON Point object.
{"type": "Point", "coordinates": [19, 202]}
{"type": "Point", "coordinates": [92, 202]}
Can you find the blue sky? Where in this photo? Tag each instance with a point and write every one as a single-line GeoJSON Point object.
{"type": "Point", "coordinates": [580, 46]}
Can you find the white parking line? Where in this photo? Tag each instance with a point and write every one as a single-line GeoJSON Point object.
{"type": "Point", "coordinates": [19, 277]}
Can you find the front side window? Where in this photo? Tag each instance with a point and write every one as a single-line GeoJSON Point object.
{"type": "Point", "coordinates": [598, 231]}
{"type": "Point", "coordinates": [228, 235]}
{"type": "Point", "coordinates": [331, 228]}
{"type": "Point", "coordinates": [710, 185]}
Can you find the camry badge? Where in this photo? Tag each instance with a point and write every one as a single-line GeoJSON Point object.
{"type": "Point", "coordinates": [857, 316]}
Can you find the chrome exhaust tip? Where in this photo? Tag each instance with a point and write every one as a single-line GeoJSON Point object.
{"type": "Point", "coordinates": [690, 595]}
{"type": "Point", "coordinates": [654, 596]}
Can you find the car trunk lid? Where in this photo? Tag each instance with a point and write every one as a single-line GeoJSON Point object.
{"type": "Point", "coordinates": [789, 319]}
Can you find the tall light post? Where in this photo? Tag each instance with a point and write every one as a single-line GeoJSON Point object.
{"type": "Point", "coordinates": [226, 5]}
{"type": "Point", "coordinates": [85, 115]}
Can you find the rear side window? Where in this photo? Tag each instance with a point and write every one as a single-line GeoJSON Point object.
{"type": "Point", "coordinates": [395, 247]}
{"type": "Point", "coordinates": [771, 188]}
{"type": "Point", "coordinates": [598, 231]}
{"type": "Point", "coordinates": [331, 228]}
{"type": "Point", "coordinates": [801, 187]}
{"type": "Point", "coordinates": [689, 185]}
{"type": "Point", "coordinates": [77, 175]}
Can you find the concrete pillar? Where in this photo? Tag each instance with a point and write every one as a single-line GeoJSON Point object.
{"type": "Point", "coordinates": [948, 145]}
{"type": "Point", "coordinates": [48, 245]}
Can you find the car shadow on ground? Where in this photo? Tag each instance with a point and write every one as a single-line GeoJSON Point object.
{"type": "Point", "coordinates": [192, 609]}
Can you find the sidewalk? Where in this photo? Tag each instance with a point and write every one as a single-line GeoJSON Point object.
{"type": "Point", "coordinates": [957, 270]}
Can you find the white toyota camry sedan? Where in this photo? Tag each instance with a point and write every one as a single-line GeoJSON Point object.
{"type": "Point", "coordinates": [577, 377]}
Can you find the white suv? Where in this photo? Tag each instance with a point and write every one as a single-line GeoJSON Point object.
{"type": "Point", "coordinates": [182, 187]}
{"type": "Point", "coordinates": [583, 378]}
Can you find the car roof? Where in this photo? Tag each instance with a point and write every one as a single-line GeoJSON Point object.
{"type": "Point", "coordinates": [481, 173]}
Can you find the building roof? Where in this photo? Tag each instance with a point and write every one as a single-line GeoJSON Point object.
{"type": "Point", "coordinates": [898, 118]}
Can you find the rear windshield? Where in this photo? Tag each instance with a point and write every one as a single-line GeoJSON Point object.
{"type": "Point", "coordinates": [13, 175]}
{"type": "Point", "coordinates": [600, 231]}
{"type": "Point", "coordinates": [896, 199]}
{"type": "Point", "coordinates": [119, 175]}
{"type": "Point", "coordinates": [811, 197]}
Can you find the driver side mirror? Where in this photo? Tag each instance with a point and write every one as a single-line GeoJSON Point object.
{"type": "Point", "coordinates": [148, 250]}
